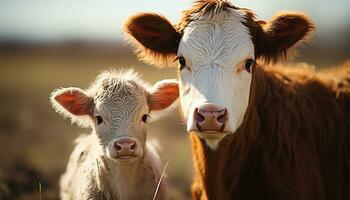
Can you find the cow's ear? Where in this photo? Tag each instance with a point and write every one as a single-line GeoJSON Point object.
{"type": "Point", "coordinates": [73, 103]}
{"type": "Point", "coordinates": [277, 37]}
{"type": "Point", "coordinates": [163, 97]}
{"type": "Point", "coordinates": [155, 39]}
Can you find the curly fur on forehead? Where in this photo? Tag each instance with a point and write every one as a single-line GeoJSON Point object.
{"type": "Point", "coordinates": [119, 83]}
{"type": "Point", "coordinates": [207, 9]}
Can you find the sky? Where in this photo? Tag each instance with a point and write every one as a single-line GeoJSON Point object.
{"type": "Point", "coordinates": [50, 20]}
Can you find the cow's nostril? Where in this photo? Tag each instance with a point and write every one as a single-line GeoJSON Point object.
{"type": "Point", "coordinates": [133, 146]}
{"type": "Point", "coordinates": [118, 147]}
{"type": "Point", "coordinates": [222, 118]}
{"type": "Point", "coordinates": [198, 117]}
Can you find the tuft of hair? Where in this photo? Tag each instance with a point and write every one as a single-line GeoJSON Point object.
{"type": "Point", "coordinates": [83, 121]}
{"type": "Point", "coordinates": [212, 144]}
{"type": "Point", "coordinates": [204, 8]}
{"type": "Point", "coordinates": [109, 80]}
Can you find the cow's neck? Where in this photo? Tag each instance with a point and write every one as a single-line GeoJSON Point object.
{"type": "Point", "coordinates": [214, 167]}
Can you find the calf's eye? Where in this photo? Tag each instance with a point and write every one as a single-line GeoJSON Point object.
{"type": "Point", "coordinates": [182, 62]}
{"type": "Point", "coordinates": [145, 118]}
{"type": "Point", "coordinates": [99, 119]}
{"type": "Point", "coordinates": [248, 65]}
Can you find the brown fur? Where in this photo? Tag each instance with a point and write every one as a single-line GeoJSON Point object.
{"type": "Point", "coordinates": [273, 39]}
{"type": "Point", "coordinates": [293, 144]}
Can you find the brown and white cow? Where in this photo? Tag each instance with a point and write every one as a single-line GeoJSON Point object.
{"type": "Point", "coordinates": [257, 132]}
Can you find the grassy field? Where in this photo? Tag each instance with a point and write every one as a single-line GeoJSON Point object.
{"type": "Point", "coordinates": [35, 142]}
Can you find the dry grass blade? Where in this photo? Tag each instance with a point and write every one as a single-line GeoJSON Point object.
{"type": "Point", "coordinates": [39, 190]}
{"type": "Point", "coordinates": [160, 180]}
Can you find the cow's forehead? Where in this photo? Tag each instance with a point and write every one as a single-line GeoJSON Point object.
{"type": "Point", "coordinates": [221, 37]}
{"type": "Point", "coordinates": [114, 90]}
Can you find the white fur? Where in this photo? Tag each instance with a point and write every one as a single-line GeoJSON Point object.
{"type": "Point", "coordinates": [121, 99]}
{"type": "Point", "coordinates": [215, 47]}
{"type": "Point", "coordinates": [213, 144]}
{"type": "Point", "coordinates": [92, 175]}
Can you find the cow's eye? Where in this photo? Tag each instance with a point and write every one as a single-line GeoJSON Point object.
{"type": "Point", "coordinates": [248, 65]}
{"type": "Point", "coordinates": [99, 119]}
{"type": "Point", "coordinates": [182, 62]}
{"type": "Point", "coordinates": [145, 118]}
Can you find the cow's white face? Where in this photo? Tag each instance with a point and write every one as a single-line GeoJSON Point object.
{"type": "Point", "coordinates": [216, 56]}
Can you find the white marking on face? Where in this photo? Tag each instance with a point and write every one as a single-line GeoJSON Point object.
{"type": "Point", "coordinates": [215, 49]}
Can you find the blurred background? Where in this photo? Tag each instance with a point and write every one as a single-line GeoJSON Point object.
{"type": "Point", "coordinates": [46, 44]}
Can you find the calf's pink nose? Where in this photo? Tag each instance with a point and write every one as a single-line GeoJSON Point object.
{"type": "Point", "coordinates": [210, 117]}
{"type": "Point", "coordinates": [125, 147]}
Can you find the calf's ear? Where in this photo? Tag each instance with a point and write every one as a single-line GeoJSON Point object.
{"type": "Point", "coordinates": [274, 39]}
{"type": "Point", "coordinates": [73, 103]}
{"type": "Point", "coordinates": [154, 38]}
{"type": "Point", "coordinates": [163, 97]}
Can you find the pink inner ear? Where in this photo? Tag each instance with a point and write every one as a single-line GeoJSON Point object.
{"type": "Point", "coordinates": [75, 102]}
{"type": "Point", "coordinates": [164, 96]}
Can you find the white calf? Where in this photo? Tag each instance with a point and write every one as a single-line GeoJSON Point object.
{"type": "Point", "coordinates": [114, 161]}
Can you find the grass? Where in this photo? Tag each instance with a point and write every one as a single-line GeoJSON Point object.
{"type": "Point", "coordinates": [40, 191]}
{"type": "Point", "coordinates": [160, 181]}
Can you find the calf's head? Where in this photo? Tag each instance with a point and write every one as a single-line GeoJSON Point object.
{"type": "Point", "coordinates": [118, 107]}
{"type": "Point", "coordinates": [216, 45]}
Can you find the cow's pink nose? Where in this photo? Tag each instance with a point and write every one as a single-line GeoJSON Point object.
{"type": "Point", "coordinates": [210, 117]}
{"type": "Point", "coordinates": [125, 147]}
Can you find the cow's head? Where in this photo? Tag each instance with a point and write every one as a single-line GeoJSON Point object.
{"type": "Point", "coordinates": [118, 106]}
{"type": "Point", "coordinates": [216, 45]}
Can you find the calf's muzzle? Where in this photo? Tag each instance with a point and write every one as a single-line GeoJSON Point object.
{"type": "Point", "coordinates": [125, 147]}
